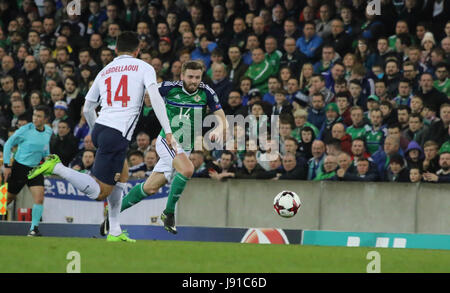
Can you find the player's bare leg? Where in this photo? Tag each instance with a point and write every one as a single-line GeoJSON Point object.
{"type": "Point", "coordinates": [106, 189]}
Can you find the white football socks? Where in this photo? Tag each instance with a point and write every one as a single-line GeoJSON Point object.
{"type": "Point", "coordinates": [83, 182]}
{"type": "Point", "coordinates": [115, 204]}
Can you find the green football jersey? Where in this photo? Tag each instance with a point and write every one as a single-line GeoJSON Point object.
{"type": "Point", "coordinates": [356, 132]}
{"type": "Point", "coordinates": [374, 138]}
{"type": "Point", "coordinates": [187, 110]}
{"type": "Point", "coordinates": [443, 87]}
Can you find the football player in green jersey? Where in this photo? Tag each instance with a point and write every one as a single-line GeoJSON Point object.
{"type": "Point", "coordinates": [186, 100]}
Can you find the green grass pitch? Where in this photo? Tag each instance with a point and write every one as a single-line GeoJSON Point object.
{"type": "Point", "coordinates": [49, 255]}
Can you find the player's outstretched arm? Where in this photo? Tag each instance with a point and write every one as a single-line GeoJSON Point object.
{"type": "Point", "coordinates": [90, 114]}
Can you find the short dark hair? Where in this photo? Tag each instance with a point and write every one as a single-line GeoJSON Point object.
{"type": "Point", "coordinates": [405, 39]}
{"type": "Point", "coordinates": [404, 107]}
{"type": "Point", "coordinates": [135, 153]}
{"type": "Point", "coordinates": [249, 154]}
{"type": "Point", "coordinates": [335, 142]}
{"type": "Point", "coordinates": [363, 159]}
{"type": "Point", "coordinates": [44, 109]}
{"type": "Point", "coordinates": [193, 65]}
{"type": "Point", "coordinates": [127, 42]}
{"type": "Point", "coordinates": [387, 104]}
{"type": "Point", "coordinates": [292, 139]}
{"type": "Point", "coordinates": [66, 122]}
{"type": "Point", "coordinates": [310, 22]}
{"type": "Point", "coordinates": [228, 153]}
{"type": "Point", "coordinates": [319, 94]}
{"type": "Point", "coordinates": [92, 151]}
{"type": "Point", "coordinates": [359, 139]}
{"type": "Point", "coordinates": [320, 76]}
{"type": "Point", "coordinates": [416, 115]}
{"type": "Point", "coordinates": [394, 125]}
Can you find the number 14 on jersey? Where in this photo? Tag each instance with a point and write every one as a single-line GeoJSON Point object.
{"type": "Point", "coordinates": [121, 93]}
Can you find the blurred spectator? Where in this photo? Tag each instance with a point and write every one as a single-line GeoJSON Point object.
{"type": "Point", "coordinates": [328, 57]}
{"type": "Point", "coordinates": [338, 132]}
{"type": "Point", "coordinates": [87, 159]}
{"type": "Point", "coordinates": [439, 129]}
{"type": "Point", "coordinates": [17, 108]}
{"type": "Point", "coordinates": [142, 143]}
{"type": "Point", "coordinates": [73, 98]}
{"type": "Point", "coordinates": [414, 155]}
{"type": "Point", "coordinates": [358, 151]}
{"type": "Point", "coordinates": [7, 88]}
{"type": "Point", "coordinates": [375, 132]}
{"type": "Point", "coordinates": [307, 137]}
{"type": "Point", "coordinates": [318, 86]}
{"type": "Point", "coordinates": [224, 167]}
{"type": "Point", "coordinates": [87, 145]}
{"type": "Point", "coordinates": [273, 84]}
{"type": "Point", "coordinates": [394, 130]}
{"type": "Point", "coordinates": [292, 169]}
{"type": "Point", "coordinates": [362, 172]}
{"type": "Point", "coordinates": [389, 113]}
{"type": "Point", "coordinates": [60, 114]}
{"type": "Point", "coordinates": [415, 175]}
{"type": "Point", "coordinates": [382, 157]}
{"type": "Point", "coordinates": [259, 71]}
{"type": "Point", "coordinates": [250, 169]}
{"type": "Point", "coordinates": [64, 144]}
{"type": "Point", "coordinates": [332, 117]}
{"type": "Point", "coordinates": [431, 96]}
{"type": "Point", "coordinates": [338, 37]}
{"type": "Point", "coordinates": [335, 73]}
{"type": "Point", "coordinates": [431, 161]}
{"type": "Point", "coordinates": [397, 171]}
{"type": "Point", "coordinates": [442, 83]}
{"type": "Point", "coordinates": [344, 164]}
{"type": "Point", "coordinates": [198, 160]}
{"type": "Point", "coordinates": [292, 58]}
{"type": "Point", "coordinates": [234, 105]}
{"type": "Point", "coordinates": [31, 73]}
{"type": "Point", "coordinates": [328, 170]}
{"type": "Point", "coordinates": [316, 113]}
{"type": "Point", "coordinates": [81, 130]}
{"type": "Point", "coordinates": [416, 130]}
{"type": "Point", "coordinates": [137, 165]}
{"type": "Point", "coordinates": [238, 67]}
{"type": "Point", "coordinates": [150, 160]}
{"type": "Point", "coordinates": [300, 120]}
{"type": "Point", "coordinates": [403, 112]}
{"type": "Point", "coordinates": [358, 127]}
{"type": "Point", "coordinates": [221, 84]}
{"type": "Point", "coordinates": [443, 174]}
{"type": "Point", "coordinates": [282, 105]}
{"type": "Point", "coordinates": [310, 41]}
{"type": "Point", "coordinates": [318, 156]}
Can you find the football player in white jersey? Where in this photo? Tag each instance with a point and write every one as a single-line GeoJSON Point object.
{"type": "Point", "coordinates": [119, 89]}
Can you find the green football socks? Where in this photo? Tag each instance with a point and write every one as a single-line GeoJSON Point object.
{"type": "Point", "coordinates": [176, 188]}
{"type": "Point", "coordinates": [135, 195]}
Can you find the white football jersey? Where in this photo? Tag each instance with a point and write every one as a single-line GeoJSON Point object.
{"type": "Point", "coordinates": [119, 88]}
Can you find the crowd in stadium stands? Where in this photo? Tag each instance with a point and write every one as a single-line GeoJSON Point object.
{"type": "Point", "coordinates": [360, 97]}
